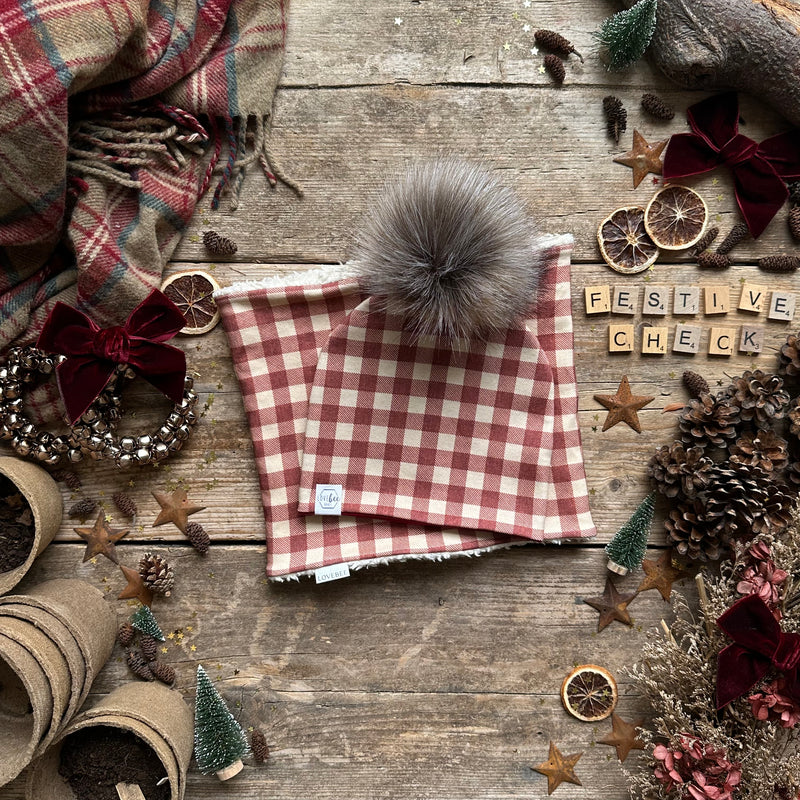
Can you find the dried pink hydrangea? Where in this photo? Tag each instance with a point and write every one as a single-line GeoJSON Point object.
{"type": "Point", "coordinates": [702, 771]}
{"type": "Point", "coordinates": [772, 704]}
{"type": "Point", "coordinates": [760, 576]}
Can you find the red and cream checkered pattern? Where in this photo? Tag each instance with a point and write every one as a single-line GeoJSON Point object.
{"type": "Point", "coordinates": [490, 434]}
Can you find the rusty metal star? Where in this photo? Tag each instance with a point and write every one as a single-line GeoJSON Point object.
{"type": "Point", "coordinates": [100, 539]}
{"type": "Point", "coordinates": [175, 508]}
{"type": "Point", "coordinates": [559, 769]}
{"type": "Point", "coordinates": [644, 158]}
{"type": "Point", "coordinates": [660, 575]}
{"type": "Point", "coordinates": [612, 606]}
{"type": "Point", "coordinates": [623, 736]}
{"type": "Point", "coordinates": [136, 587]}
{"type": "Point", "coordinates": [623, 405]}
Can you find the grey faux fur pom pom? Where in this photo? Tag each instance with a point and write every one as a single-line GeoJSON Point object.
{"type": "Point", "coordinates": [450, 250]}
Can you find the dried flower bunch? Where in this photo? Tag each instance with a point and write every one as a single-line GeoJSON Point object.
{"type": "Point", "coordinates": [734, 471]}
{"type": "Point", "coordinates": [750, 749]}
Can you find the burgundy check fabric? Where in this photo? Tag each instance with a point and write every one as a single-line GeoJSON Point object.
{"type": "Point", "coordinates": [280, 337]}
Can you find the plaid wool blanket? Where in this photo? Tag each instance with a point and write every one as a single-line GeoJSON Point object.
{"type": "Point", "coordinates": [115, 117]}
{"type": "Point", "coordinates": [439, 453]}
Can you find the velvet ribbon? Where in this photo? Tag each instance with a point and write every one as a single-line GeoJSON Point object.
{"type": "Point", "coordinates": [759, 645]}
{"type": "Point", "coordinates": [758, 170]}
{"type": "Point", "coordinates": [93, 353]}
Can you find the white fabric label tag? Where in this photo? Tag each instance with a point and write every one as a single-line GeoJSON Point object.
{"type": "Point", "coordinates": [332, 573]}
{"type": "Point", "coordinates": [328, 499]}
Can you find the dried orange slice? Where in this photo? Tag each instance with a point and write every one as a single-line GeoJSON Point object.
{"type": "Point", "coordinates": [192, 292]}
{"type": "Point", "coordinates": [589, 693]}
{"type": "Point", "coordinates": [676, 217]}
{"type": "Point", "coordinates": [624, 243]}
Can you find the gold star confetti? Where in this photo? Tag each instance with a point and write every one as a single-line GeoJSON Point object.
{"type": "Point", "coordinates": [542, 69]}
{"type": "Point", "coordinates": [459, 21]}
{"type": "Point", "coordinates": [506, 46]}
{"type": "Point", "coordinates": [170, 636]}
{"type": "Point", "coordinates": [165, 649]}
{"type": "Point", "coordinates": [193, 648]}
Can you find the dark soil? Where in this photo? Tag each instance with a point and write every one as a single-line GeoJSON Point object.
{"type": "Point", "coordinates": [16, 526]}
{"type": "Point", "coordinates": [94, 760]}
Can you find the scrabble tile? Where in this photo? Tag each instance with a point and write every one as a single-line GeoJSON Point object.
{"type": "Point", "coordinates": [753, 297]}
{"type": "Point", "coordinates": [751, 339]}
{"type": "Point", "coordinates": [655, 301]}
{"type": "Point", "coordinates": [686, 300]}
{"type": "Point", "coordinates": [654, 340]}
{"type": "Point", "coordinates": [625, 300]}
{"type": "Point", "coordinates": [781, 306]}
{"type": "Point", "coordinates": [598, 299]}
{"type": "Point", "coordinates": [687, 338]}
{"type": "Point", "coordinates": [720, 341]}
{"type": "Point", "coordinates": [620, 338]}
{"type": "Point", "coordinates": [717, 299]}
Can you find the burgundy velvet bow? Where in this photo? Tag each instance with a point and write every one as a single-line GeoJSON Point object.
{"type": "Point", "coordinates": [758, 169]}
{"type": "Point", "coordinates": [93, 353]}
{"type": "Point", "coordinates": [759, 645]}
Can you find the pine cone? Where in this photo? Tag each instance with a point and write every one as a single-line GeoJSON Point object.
{"type": "Point", "coordinates": [705, 241]}
{"type": "Point", "coordinates": [69, 478]}
{"type": "Point", "coordinates": [656, 107]}
{"type": "Point", "coordinates": [737, 234]}
{"type": "Point", "coordinates": [162, 672]}
{"type": "Point", "coordinates": [709, 260]}
{"type": "Point", "coordinates": [693, 535]}
{"type": "Point", "coordinates": [219, 245]}
{"type": "Point", "coordinates": [157, 573]}
{"type": "Point", "coordinates": [125, 634]}
{"type": "Point", "coordinates": [149, 647]}
{"type": "Point", "coordinates": [789, 357]}
{"type": "Point", "coordinates": [196, 534]}
{"type": "Point", "coordinates": [794, 223]}
{"type": "Point", "coordinates": [760, 397]}
{"type": "Point", "coordinates": [125, 504]}
{"type": "Point", "coordinates": [138, 665]}
{"type": "Point", "coordinates": [555, 43]}
{"type": "Point", "coordinates": [82, 509]}
{"type": "Point", "coordinates": [793, 415]}
{"type": "Point", "coordinates": [616, 116]}
{"type": "Point", "coordinates": [695, 383]}
{"type": "Point", "coordinates": [555, 66]}
{"type": "Point", "coordinates": [709, 420]}
{"type": "Point", "coordinates": [258, 746]}
{"type": "Point", "coordinates": [679, 471]}
{"type": "Point", "coordinates": [763, 449]}
{"type": "Point", "coordinates": [779, 263]}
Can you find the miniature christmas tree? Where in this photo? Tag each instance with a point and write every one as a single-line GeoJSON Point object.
{"type": "Point", "coordinates": [626, 550]}
{"type": "Point", "coordinates": [627, 34]}
{"type": "Point", "coordinates": [144, 622]}
{"type": "Point", "coordinates": [219, 741]}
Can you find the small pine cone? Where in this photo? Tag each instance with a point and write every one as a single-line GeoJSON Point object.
{"type": "Point", "coordinates": [138, 666]}
{"type": "Point", "coordinates": [737, 234]}
{"type": "Point", "coordinates": [764, 449]}
{"type": "Point", "coordinates": [679, 471]}
{"type": "Point", "coordinates": [149, 647]}
{"type": "Point", "coordinates": [695, 383]}
{"type": "Point", "coordinates": [82, 509]}
{"type": "Point", "coordinates": [259, 746]}
{"type": "Point", "coordinates": [760, 397]}
{"type": "Point", "coordinates": [219, 245]}
{"type": "Point", "coordinates": [779, 263]}
{"type": "Point", "coordinates": [656, 107]}
{"type": "Point", "coordinates": [162, 672]}
{"type": "Point", "coordinates": [555, 66]}
{"type": "Point", "coordinates": [706, 240]}
{"type": "Point", "coordinates": [125, 504]}
{"type": "Point", "coordinates": [709, 421]}
{"type": "Point", "coordinates": [196, 534]}
{"type": "Point", "coordinates": [709, 260]}
{"type": "Point", "coordinates": [157, 573]}
{"type": "Point", "coordinates": [125, 634]}
{"type": "Point", "coordinates": [555, 43]}
{"type": "Point", "coordinates": [789, 357]}
{"type": "Point", "coordinates": [69, 478]}
{"type": "Point", "coordinates": [616, 117]}
{"type": "Point", "coordinates": [794, 223]}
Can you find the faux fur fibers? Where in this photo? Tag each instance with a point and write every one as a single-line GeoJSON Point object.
{"type": "Point", "coordinates": [451, 250]}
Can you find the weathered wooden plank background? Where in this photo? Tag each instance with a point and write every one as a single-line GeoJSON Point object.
{"type": "Point", "coordinates": [420, 680]}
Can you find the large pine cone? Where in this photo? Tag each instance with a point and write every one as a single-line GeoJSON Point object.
{"type": "Point", "coordinates": [679, 471]}
{"type": "Point", "coordinates": [157, 573]}
{"type": "Point", "coordinates": [760, 397]}
{"type": "Point", "coordinates": [789, 357]}
{"type": "Point", "coordinates": [693, 535]}
{"type": "Point", "coordinates": [709, 420]}
{"type": "Point", "coordinates": [763, 449]}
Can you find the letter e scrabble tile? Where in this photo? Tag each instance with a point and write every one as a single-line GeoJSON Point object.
{"type": "Point", "coordinates": [625, 299]}
{"type": "Point", "coordinates": [598, 299]}
{"type": "Point", "coordinates": [781, 306]}
{"type": "Point", "coordinates": [753, 298]}
{"type": "Point", "coordinates": [655, 301]}
{"type": "Point", "coordinates": [720, 341]}
{"type": "Point", "coordinates": [687, 338]}
{"type": "Point", "coordinates": [654, 341]}
{"type": "Point", "coordinates": [620, 338]}
{"type": "Point", "coordinates": [686, 300]}
{"type": "Point", "coordinates": [717, 299]}
{"type": "Point", "coordinates": [751, 339]}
